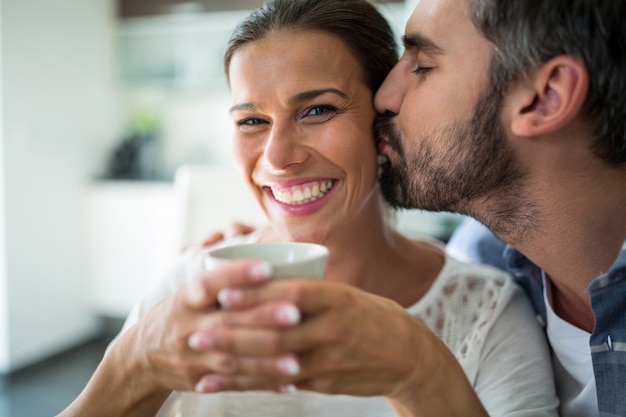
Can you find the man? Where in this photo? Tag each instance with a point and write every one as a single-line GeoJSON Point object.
{"type": "Point", "coordinates": [513, 113]}
{"type": "Point", "coordinates": [515, 116]}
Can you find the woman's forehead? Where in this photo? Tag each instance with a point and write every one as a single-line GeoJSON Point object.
{"type": "Point", "coordinates": [300, 59]}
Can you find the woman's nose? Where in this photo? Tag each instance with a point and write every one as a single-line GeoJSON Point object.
{"type": "Point", "coordinates": [285, 147]}
{"type": "Point", "coordinates": [390, 95]}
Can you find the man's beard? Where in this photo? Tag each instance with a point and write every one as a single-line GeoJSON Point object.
{"type": "Point", "coordinates": [477, 172]}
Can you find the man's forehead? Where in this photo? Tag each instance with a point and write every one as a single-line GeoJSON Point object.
{"type": "Point", "coordinates": [437, 17]}
{"type": "Point", "coordinates": [446, 24]}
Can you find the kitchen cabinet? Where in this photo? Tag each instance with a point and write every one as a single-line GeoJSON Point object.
{"type": "Point", "coordinates": [130, 229]}
{"type": "Point", "coordinates": [136, 229]}
{"type": "Point", "coordinates": [142, 8]}
{"type": "Point", "coordinates": [175, 51]}
{"type": "Point", "coordinates": [184, 48]}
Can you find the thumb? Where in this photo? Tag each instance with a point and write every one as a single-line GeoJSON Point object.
{"type": "Point", "coordinates": [212, 239]}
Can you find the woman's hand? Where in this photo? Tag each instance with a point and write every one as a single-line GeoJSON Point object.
{"type": "Point", "coordinates": [154, 357]}
{"type": "Point", "coordinates": [348, 342]}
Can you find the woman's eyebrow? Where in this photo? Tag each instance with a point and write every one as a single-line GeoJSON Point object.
{"type": "Point", "coordinates": [309, 95]}
{"type": "Point", "coordinates": [242, 107]}
{"type": "Point", "coordinates": [298, 98]}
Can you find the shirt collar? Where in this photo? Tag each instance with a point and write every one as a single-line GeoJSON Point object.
{"type": "Point", "coordinates": [617, 272]}
{"type": "Point", "coordinates": [520, 264]}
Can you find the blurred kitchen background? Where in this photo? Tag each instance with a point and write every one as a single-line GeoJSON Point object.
{"type": "Point", "coordinates": [101, 102]}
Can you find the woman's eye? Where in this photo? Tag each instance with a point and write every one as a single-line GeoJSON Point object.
{"type": "Point", "coordinates": [321, 110]}
{"type": "Point", "coordinates": [252, 121]}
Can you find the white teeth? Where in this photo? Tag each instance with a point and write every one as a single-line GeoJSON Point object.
{"type": "Point", "coordinates": [297, 196]}
{"type": "Point", "coordinates": [303, 195]}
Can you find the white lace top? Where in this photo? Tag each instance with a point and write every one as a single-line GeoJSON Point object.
{"type": "Point", "coordinates": [481, 315]}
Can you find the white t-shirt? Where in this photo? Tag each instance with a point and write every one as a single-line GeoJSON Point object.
{"type": "Point", "coordinates": [573, 369]}
{"type": "Point", "coordinates": [481, 315]}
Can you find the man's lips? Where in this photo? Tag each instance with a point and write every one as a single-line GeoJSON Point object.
{"type": "Point", "coordinates": [385, 133]}
{"type": "Point", "coordinates": [382, 146]}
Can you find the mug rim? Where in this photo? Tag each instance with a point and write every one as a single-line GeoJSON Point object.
{"type": "Point", "coordinates": [317, 251]}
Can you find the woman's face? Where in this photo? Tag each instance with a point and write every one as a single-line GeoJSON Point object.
{"type": "Point", "coordinates": [303, 132]}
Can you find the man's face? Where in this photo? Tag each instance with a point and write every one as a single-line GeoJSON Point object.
{"type": "Point", "coordinates": [446, 144]}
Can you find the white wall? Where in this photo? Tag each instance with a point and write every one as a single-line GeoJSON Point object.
{"type": "Point", "coordinates": [410, 5]}
{"type": "Point", "coordinates": [4, 308]}
{"type": "Point", "coordinates": [58, 118]}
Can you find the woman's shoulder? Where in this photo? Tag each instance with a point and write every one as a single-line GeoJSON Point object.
{"type": "Point", "coordinates": [465, 302]}
{"type": "Point", "coordinates": [480, 289]}
{"type": "Point", "coordinates": [479, 274]}
{"type": "Point", "coordinates": [464, 279]}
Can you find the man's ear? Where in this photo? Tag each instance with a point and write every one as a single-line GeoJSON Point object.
{"type": "Point", "coordinates": [551, 98]}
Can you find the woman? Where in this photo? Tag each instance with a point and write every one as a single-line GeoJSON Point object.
{"type": "Point", "coordinates": [302, 75]}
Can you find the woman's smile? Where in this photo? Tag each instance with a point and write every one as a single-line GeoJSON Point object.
{"type": "Point", "coordinates": [301, 199]}
{"type": "Point", "coordinates": [302, 193]}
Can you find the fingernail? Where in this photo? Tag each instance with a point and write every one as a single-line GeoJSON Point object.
{"type": "Point", "coordinates": [201, 341]}
{"type": "Point", "coordinates": [205, 386]}
{"type": "Point", "coordinates": [288, 389]}
{"type": "Point", "coordinates": [288, 365]}
{"type": "Point", "coordinates": [260, 271]}
{"type": "Point", "coordinates": [228, 296]}
{"type": "Point", "coordinates": [287, 314]}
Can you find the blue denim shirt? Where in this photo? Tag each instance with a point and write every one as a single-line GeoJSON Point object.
{"type": "Point", "coordinates": [607, 292]}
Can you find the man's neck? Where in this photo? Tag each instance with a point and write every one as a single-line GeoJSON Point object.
{"type": "Point", "coordinates": [572, 306]}
{"type": "Point", "coordinates": [579, 237]}
{"type": "Point", "coordinates": [570, 268]}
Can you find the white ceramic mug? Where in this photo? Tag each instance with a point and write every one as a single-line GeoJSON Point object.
{"type": "Point", "coordinates": [288, 259]}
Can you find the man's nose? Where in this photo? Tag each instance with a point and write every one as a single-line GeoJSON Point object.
{"type": "Point", "coordinates": [389, 97]}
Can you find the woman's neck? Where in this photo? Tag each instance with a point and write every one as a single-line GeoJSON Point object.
{"type": "Point", "coordinates": [375, 257]}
